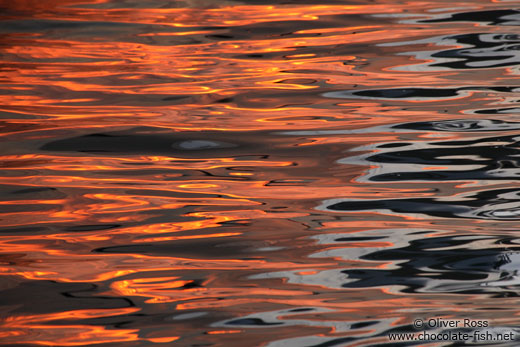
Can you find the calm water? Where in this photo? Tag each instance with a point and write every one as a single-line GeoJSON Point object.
{"type": "Point", "coordinates": [254, 173]}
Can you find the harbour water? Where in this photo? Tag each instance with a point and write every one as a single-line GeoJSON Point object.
{"type": "Point", "coordinates": [230, 173]}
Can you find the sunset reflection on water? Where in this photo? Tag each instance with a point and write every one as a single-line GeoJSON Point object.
{"type": "Point", "coordinates": [254, 174]}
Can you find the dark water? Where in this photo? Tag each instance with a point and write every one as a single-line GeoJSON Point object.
{"type": "Point", "coordinates": [253, 173]}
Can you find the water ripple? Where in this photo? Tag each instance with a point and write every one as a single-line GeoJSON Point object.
{"type": "Point", "coordinates": [203, 173]}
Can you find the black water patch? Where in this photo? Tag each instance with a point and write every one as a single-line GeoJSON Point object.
{"type": "Point", "coordinates": [441, 175]}
{"type": "Point", "coordinates": [34, 190]}
{"type": "Point", "coordinates": [423, 94]}
{"type": "Point", "coordinates": [493, 17]}
{"type": "Point", "coordinates": [359, 239]}
{"type": "Point", "coordinates": [480, 51]}
{"type": "Point", "coordinates": [362, 325]}
{"type": "Point", "coordinates": [92, 227]}
{"type": "Point", "coordinates": [441, 262]}
{"type": "Point", "coordinates": [153, 142]}
{"type": "Point", "coordinates": [403, 93]}
{"type": "Point", "coordinates": [450, 155]}
{"type": "Point", "coordinates": [23, 229]}
{"type": "Point", "coordinates": [505, 110]}
{"type": "Point", "coordinates": [426, 206]}
{"type": "Point", "coordinates": [220, 36]}
{"type": "Point", "coordinates": [454, 153]}
{"type": "Point", "coordinates": [393, 145]}
{"type": "Point", "coordinates": [30, 207]}
{"type": "Point", "coordinates": [18, 192]}
{"type": "Point", "coordinates": [490, 158]}
{"type": "Point", "coordinates": [458, 125]}
{"type": "Point", "coordinates": [63, 296]}
{"type": "Point", "coordinates": [499, 204]}
{"type": "Point", "coordinates": [197, 283]}
{"type": "Point", "coordinates": [175, 97]}
{"type": "Point", "coordinates": [303, 309]}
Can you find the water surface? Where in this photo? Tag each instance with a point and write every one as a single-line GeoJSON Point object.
{"type": "Point", "coordinates": [256, 173]}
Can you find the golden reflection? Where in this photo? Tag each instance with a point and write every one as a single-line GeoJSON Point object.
{"type": "Point", "coordinates": [29, 330]}
{"type": "Point", "coordinates": [218, 332]}
{"type": "Point", "coordinates": [38, 329]}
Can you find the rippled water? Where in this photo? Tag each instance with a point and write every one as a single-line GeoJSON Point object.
{"type": "Point", "coordinates": [253, 173]}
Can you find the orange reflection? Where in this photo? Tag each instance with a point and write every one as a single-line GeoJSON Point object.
{"type": "Point", "coordinates": [36, 329]}
{"type": "Point", "coordinates": [218, 332]}
{"type": "Point", "coordinates": [30, 330]}
{"type": "Point", "coordinates": [161, 291]}
{"type": "Point", "coordinates": [172, 229]}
